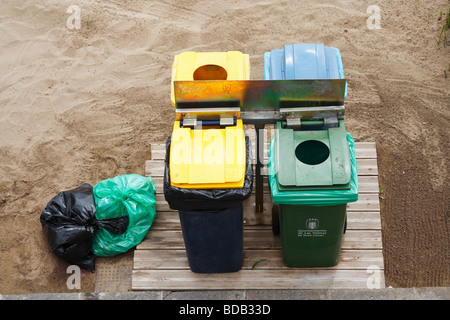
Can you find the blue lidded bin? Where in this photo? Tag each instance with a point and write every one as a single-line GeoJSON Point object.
{"type": "Point", "coordinates": [310, 197]}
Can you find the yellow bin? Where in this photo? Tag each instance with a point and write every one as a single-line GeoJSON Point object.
{"type": "Point", "coordinates": [189, 66]}
{"type": "Point", "coordinates": [208, 159]}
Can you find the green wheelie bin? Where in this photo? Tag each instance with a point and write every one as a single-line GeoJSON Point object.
{"type": "Point", "coordinates": [312, 177]}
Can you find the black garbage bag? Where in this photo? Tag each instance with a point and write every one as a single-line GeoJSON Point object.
{"type": "Point", "coordinates": [207, 199]}
{"type": "Point", "coordinates": [69, 224]}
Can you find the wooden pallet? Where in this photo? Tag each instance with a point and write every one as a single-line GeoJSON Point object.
{"type": "Point", "coordinates": [160, 261]}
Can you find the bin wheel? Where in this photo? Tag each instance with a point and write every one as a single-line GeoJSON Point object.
{"type": "Point", "coordinates": [345, 223]}
{"type": "Point", "coordinates": [275, 220]}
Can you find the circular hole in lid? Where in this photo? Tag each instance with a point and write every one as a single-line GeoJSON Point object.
{"type": "Point", "coordinates": [210, 72]}
{"type": "Point", "coordinates": [312, 152]}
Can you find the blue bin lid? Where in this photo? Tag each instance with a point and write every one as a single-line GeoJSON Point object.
{"type": "Point", "coordinates": [304, 61]}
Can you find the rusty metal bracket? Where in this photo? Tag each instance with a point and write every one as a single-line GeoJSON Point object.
{"type": "Point", "coordinates": [261, 102]}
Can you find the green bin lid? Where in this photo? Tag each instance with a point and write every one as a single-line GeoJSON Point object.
{"type": "Point", "coordinates": [312, 159]}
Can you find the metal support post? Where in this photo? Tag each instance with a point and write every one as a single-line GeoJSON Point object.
{"type": "Point", "coordinates": [259, 207]}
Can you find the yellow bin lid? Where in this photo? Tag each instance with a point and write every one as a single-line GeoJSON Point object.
{"type": "Point", "coordinates": [189, 66]}
{"type": "Point", "coordinates": [208, 158]}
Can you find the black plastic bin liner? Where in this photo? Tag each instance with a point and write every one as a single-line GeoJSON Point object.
{"type": "Point", "coordinates": [69, 224]}
{"type": "Point", "coordinates": [207, 199]}
{"type": "Point", "coordinates": [213, 240]}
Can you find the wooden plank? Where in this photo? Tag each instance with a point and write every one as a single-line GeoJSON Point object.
{"type": "Point", "coordinates": [363, 151]}
{"type": "Point", "coordinates": [367, 167]}
{"type": "Point", "coordinates": [251, 279]}
{"type": "Point", "coordinates": [155, 168]}
{"type": "Point", "coordinates": [177, 259]}
{"type": "Point", "coordinates": [166, 221]}
{"type": "Point", "coordinates": [161, 203]}
{"type": "Point", "coordinates": [355, 221]}
{"type": "Point", "coordinates": [363, 220]}
{"type": "Point", "coordinates": [365, 148]}
{"type": "Point", "coordinates": [160, 259]}
{"type": "Point", "coordinates": [366, 202]}
{"type": "Point", "coordinates": [366, 184]}
{"type": "Point", "coordinates": [251, 217]}
{"type": "Point", "coordinates": [158, 151]}
{"type": "Point", "coordinates": [258, 239]}
{"type": "Point", "coordinates": [352, 239]}
{"type": "Point", "coordinates": [159, 184]}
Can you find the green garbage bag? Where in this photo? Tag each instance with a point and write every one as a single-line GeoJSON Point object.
{"type": "Point", "coordinates": [129, 195]}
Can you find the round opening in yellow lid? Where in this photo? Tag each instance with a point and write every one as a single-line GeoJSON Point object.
{"type": "Point", "coordinates": [210, 72]}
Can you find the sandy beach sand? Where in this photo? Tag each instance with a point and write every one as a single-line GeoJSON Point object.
{"type": "Point", "coordinates": [82, 105]}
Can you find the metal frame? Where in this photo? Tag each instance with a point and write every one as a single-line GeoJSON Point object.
{"type": "Point", "coordinates": [261, 102]}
